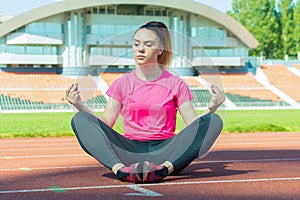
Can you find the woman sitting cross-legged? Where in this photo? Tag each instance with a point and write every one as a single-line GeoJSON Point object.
{"type": "Point", "coordinates": [148, 99]}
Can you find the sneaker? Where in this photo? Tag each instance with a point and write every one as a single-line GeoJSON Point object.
{"type": "Point", "coordinates": [133, 173]}
{"type": "Point", "coordinates": [153, 173]}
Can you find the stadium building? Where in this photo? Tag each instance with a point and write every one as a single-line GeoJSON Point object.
{"type": "Point", "coordinates": [76, 33]}
{"type": "Point", "coordinates": [44, 50]}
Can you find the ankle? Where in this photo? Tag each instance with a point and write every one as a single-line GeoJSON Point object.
{"type": "Point", "coordinates": [168, 165]}
{"type": "Point", "coordinates": [117, 167]}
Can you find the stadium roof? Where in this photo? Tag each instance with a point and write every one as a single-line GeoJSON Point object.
{"type": "Point", "coordinates": [187, 5]}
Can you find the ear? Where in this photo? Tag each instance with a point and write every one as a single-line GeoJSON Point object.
{"type": "Point", "coordinates": [161, 50]}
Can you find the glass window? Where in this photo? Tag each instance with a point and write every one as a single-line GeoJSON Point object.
{"type": "Point", "coordinates": [149, 12]}
{"type": "Point", "coordinates": [111, 10]}
{"type": "Point", "coordinates": [88, 29]}
{"type": "Point", "coordinates": [194, 32]}
{"type": "Point", "coordinates": [95, 10]}
{"type": "Point", "coordinates": [35, 50]}
{"type": "Point", "coordinates": [175, 23]}
{"type": "Point", "coordinates": [208, 32]}
{"type": "Point", "coordinates": [112, 51]}
{"type": "Point", "coordinates": [22, 29]}
{"type": "Point", "coordinates": [62, 29]}
{"type": "Point", "coordinates": [199, 53]}
{"type": "Point", "coordinates": [212, 52]}
{"type": "Point", "coordinates": [44, 28]}
{"type": "Point", "coordinates": [157, 12]}
{"type": "Point", "coordinates": [102, 10]}
{"type": "Point", "coordinates": [226, 52]}
{"type": "Point", "coordinates": [16, 49]}
{"type": "Point", "coordinates": [94, 29]}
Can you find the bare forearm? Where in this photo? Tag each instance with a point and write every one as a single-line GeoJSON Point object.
{"type": "Point", "coordinates": [83, 108]}
{"type": "Point", "coordinates": [73, 97]}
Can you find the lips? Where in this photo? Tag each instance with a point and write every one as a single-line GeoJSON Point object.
{"type": "Point", "coordinates": [140, 57]}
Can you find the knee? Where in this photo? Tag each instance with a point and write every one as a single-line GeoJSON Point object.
{"type": "Point", "coordinates": [80, 115]}
{"type": "Point", "coordinates": [216, 120]}
{"type": "Point", "coordinates": [211, 119]}
{"type": "Point", "coordinates": [77, 119]}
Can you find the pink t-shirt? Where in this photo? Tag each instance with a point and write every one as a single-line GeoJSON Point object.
{"type": "Point", "coordinates": [149, 108]}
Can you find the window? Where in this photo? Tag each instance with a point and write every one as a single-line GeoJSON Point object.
{"type": "Point", "coordinates": [124, 52]}
{"type": "Point", "coordinates": [111, 10]}
{"type": "Point", "coordinates": [155, 11]}
{"type": "Point", "coordinates": [208, 32]}
{"type": "Point", "coordinates": [44, 28]}
{"type": "Point", "coordinates": [102, 10]}
{"type": "Point", "coordinates": [88, 29]}
{"type": "Point", "coordinates": [95, 10]}
{"type": "Point", "coordinates": [16, 49]}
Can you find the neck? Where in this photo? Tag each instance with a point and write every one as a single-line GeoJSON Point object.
{"type": "Point", "coordinates": [148, 73]}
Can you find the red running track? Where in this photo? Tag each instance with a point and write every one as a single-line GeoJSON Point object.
{"type": "Point", "coordinates": [240, 166]}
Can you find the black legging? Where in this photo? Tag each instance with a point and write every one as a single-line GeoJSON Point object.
{"type": "Point", "coordinates": [109, 147]}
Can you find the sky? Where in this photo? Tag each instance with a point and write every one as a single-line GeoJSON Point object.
{"type": "Point", "coordinates": [17, 7]}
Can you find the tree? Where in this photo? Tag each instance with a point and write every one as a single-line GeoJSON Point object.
{"type": "Point", "coordinates": [286, 10]}
{"type": "Point", "coordinates": [271, 44]}
{"type": "Point", "coordinates": [296, 34]}
{"type": "Point", "coordinates": [261, 19]}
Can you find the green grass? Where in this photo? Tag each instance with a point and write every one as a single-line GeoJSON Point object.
{"type": "Point", "coordinates": [58, 124]}
{"type": "Point", "coordinates": [35, 124]}
{"type": "Point", "coordinates": [252, 121]}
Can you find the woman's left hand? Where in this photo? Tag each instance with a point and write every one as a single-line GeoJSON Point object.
{"type": "Point", "coordinates": [216, 99]}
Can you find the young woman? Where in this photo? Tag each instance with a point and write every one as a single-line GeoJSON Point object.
{"type": "Point", "coordinates": [148, 99]}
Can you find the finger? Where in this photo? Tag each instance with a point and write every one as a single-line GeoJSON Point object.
{"type": "Point", "coordinates": [217, 89]}
{"type": "Point", "coordinates": [76, 96]}
{"type": "Point", "coordinates": [75, 87]}
{"type": "Point", "coordinates": [68, 91]}
{"type": "Point", "coordinates": [214, 89]}
{"type": "Point", "coordinates": [213, 98]}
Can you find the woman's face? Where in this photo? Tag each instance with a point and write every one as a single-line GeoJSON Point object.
{"type": "Point", "coordinates": [146, 47]}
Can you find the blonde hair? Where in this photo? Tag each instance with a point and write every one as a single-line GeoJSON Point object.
{"type": "Point", "coordinates": [161, 30]}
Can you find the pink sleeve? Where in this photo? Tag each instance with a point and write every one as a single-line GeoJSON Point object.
{"type": "Point", "coordinates": [183, 93]}
{"type": "Point", "coordinates": [115, 90]}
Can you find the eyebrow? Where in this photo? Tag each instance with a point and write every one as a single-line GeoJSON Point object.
{"type": "Point", "coordinates": [152, 41]}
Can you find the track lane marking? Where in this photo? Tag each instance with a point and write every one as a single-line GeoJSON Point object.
{"type": "Point", "coordinates": [39, 149]}
{"type": "Point", "coordinates": [142, 192]}
{"type": "Point", "coordinates": [44, 156]}
{"type": "Point", "coordinates": [196, 162]}
{"type": "Point", "coordinates": [253, 160]}
{"type": "Point", "coordinates": [219, 142]}
{"type": "Point", "coordinates": [154, 184]}
{"type": "Point", "coordinates": [54, 168]}
{"type": "Point", "coordinates": [38, 144]}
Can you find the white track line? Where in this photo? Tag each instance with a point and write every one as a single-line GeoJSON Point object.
{"type": "Point", "coordinates": [39, 144]}
{"type": "Point", "coordinates": [54, 168]}
{"type": "Point", "coordinates": [253, 160]}
{"type": "Point", "coordinates": [195, 162]}
{"type": "Point", "coordinates": [76, 146]}
{"type": "Point", "coordinates": [39, 149]}
{"type": "Point", "coordinates": [84, 154]}
{"type": "Point", "coordinates": [158, 184]}
{"type": "Point", "coordinates": [43, 156]}
{"type": "Point", "coordinates": [257, 143]}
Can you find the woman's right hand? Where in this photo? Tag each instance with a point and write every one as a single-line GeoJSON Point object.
{"type": "Point", "coordinates": [73, 96]}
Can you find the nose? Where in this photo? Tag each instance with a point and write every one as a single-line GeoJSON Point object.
{"type": "Point", "coordinates": [141, 49]}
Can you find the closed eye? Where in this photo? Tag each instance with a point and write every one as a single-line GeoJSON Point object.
{"type": "Point", "coordinates": [149, 44]}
